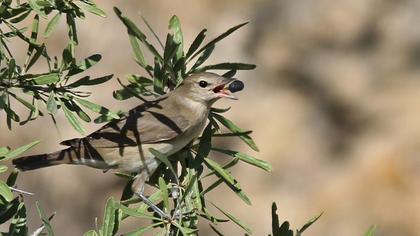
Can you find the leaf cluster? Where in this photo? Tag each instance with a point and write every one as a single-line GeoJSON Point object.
{"type": "Point", "coordinates": [59, 88]}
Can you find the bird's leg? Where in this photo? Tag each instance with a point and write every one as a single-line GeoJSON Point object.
{"type": "Point", "coordinates": [138, 189]}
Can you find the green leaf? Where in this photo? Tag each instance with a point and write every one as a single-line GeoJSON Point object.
{"type": "Point", "coordinates": [230, 73]}
{"type": "Point", "coordinates": [219, 170]}
{"type": "Point", "coordinates": [92, 8]}
{"type": "Point", "coordinates": [135, 213]}
{"type": "Point", "coordinates": [49, 78]}
{"type": "Point", "coordinates": [164, 190]}
{"type": "Point", "coordinates": [35, 28]}
{"type": "Point", "coordinates": [33, 4]}
{"type": "Point", "coordinates": [196, 43]}
{"type": "Point", "coordinates": [7, 211]}
{"type": "Point", "coordinates": [85, 64]}
{"type": "Point", "coordinates": [246, 158]}
{"type": "Point", "coordinates": [44, 218]}
{"type": "Point", "coordinates": [3, 151]}
{"type": "Point", "coordinates": [205, 143]}
{"type": "Point", "coordinates": [108, 223]}
{"type": "Point", "coordinates": [91, 233]}
{"type": "Point", "coordinates": [72, 33]}
{"type": "Point", "coordinates": [191, 182]}
{"type": "Point", "coordinates": [96, 108]}
{"type": "Point", "coordinates": [52, 104]}
{"type": "Point", "coordinates": [73, 120]}
{"type": "Point", "coordinates": [52, 24]}
{"type": "Point", "coordinates": [23, 101]}
{"type": "Point", "coordinates": [36, 56]}
{"type": "Point", "coordinates": [11, 180]}
{"type": "Point", "coordinates": [143, 229]}
{"type": "Point", "coordinates": [310, 222]}
{"type": "Point", "coordinates": [158, 80]}
{"type": "Point", "coordinates": [218, 38]}
{"type": "Point", "coordinates": [21, 17]}
{"type": "Point", "coordinates": [219, 110]}
{"type": "Point", "coordinates": [206, 54]}
{"type": "Point", "coordinates": [19, 150]}
{"type": "Point", "coordinates": [138, 54]}
{"type": "Point", "coordinates": [234, 219]}
{"type": "Point", "coordinates": [175, 27]}
{"type": "Point", "coordinates": [18, 225]}
{"type": "Point", "coordinates": [86, 81]}
{"type": "Point", "coordinates": [235, 129]}
{"type": "Point", "coordinates": [216, 230]}
{"type": "Point", "coordinates": [3, 168]}
{"type": "Point", "coordinates": [227, 66]}
{"type": "Point", "coordinates": [5, 191]}
{"type": "Point", "coordinates": [164, 159]}
{"type": "Point", "coordinates": [371, 231]}
{"type": "Point", "coordinates": [134, 30]}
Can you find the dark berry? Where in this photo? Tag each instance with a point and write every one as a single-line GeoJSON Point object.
{"type": "Point", "coordinates": [236, 86]}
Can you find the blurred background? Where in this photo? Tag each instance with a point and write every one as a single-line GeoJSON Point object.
{"type": "Point", "coordinates": [334, 106]}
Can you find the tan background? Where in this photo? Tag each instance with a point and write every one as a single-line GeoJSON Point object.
{"type": "Point", "coordinates": [334, 105]}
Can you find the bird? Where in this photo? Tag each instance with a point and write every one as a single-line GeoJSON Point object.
{"type": "Point", "coordinates": [166, 124]}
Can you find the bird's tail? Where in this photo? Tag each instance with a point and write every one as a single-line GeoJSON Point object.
{"type": "Point", "coordinates": [43, 160]}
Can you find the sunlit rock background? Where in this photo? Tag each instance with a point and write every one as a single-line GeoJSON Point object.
{"type": "Point", "coordinates": [334, 105]}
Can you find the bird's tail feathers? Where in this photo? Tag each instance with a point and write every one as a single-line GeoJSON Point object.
{"type": "Point", "coordinates": [43, 160]}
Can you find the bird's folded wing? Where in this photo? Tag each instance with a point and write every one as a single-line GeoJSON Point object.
{"type": "Point", "coordinates": [149, 127]}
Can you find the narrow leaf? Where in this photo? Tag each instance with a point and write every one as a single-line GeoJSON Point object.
{"type": "Point", "coordinates": [310, 222]}
{"type": "Point", "coordinates": [234, 219]}
{"type": "Point", "coordinates": [203, 57]}
{"type": "Point", "coordinates": [91, 233]}
{"type": "Point", "coordinates": [3, 151]}
{"type": "Point", "coordinates": [20, 150]}
{"type": "Point", "coordinates": [85, 64]}
{"type": "Point", "coordinates": [218, 38]}
{"type": "Point", "coordinates": [196, 43]}
{"type": "Point", "coordinates": [92, 8]}
{"type": "Point", "coordinates": [371, 231]}
{"type": "Point", "coordinates": [5, 191]}
{"type": "Point", "coordinates": [246, 158]}
{"type": "Point", "coordinates": [44, 218]}
{"type": "Point", "coordinates": [109, 218]}
{"type": "Point", "coordinates": [219, 170]}
{"type": "Point", "coordinates": [23, 101]}
{"type": "Point", "coordinates": [133, 29]}
{"type": "Point", "coordinates": [175, 27]}
{"type": "Point", "coordinates": [163, 159]}
{"type": "Point", "coordinates": [49, 78]}
{"type": "Point", "coordinates": [143, 229]}
{"type": "Point", "coordinates": [137, 53]}
{"type": "Point", "coordinates": [52, 24]}
{"type": "Point", "coordinates": [164, 190]}
{"type": "Point", "coordinates": [235, 129]}
{"type": "Point", "coordinates": [86, 81]}
{"type": "Point", "coordinates": [96, 108]}
{"type": "Point", "coordinates": [227, 66]}
{"type": "Point", "coordinates": [73, 120]}
{"type": "Point", "coordinates": [51, 104]}
{"type": "Point", "coordinates": [3, 168]}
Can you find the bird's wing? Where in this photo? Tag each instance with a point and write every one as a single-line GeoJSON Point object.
{"type": "Point", "coordinates": [151, 126]}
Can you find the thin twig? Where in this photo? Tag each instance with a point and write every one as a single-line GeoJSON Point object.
{"type": "Point", "coordinates": [21, 191]}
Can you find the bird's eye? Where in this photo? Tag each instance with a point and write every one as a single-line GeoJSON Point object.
{"type": "Point", "coordinates": [202, 83]}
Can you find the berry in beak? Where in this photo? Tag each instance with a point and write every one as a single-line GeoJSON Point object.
{"type": "Point", "coordinates": [226, 91]}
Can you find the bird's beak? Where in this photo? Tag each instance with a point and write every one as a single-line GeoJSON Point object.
{"type": "Point", "coordinates": [222, 90]}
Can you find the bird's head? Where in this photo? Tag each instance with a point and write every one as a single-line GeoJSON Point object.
{"type": "Point", "coordinates": [209, 87]}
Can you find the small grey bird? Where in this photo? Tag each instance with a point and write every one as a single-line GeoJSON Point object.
{"type": "Point", "coordinates": [166, 124]}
